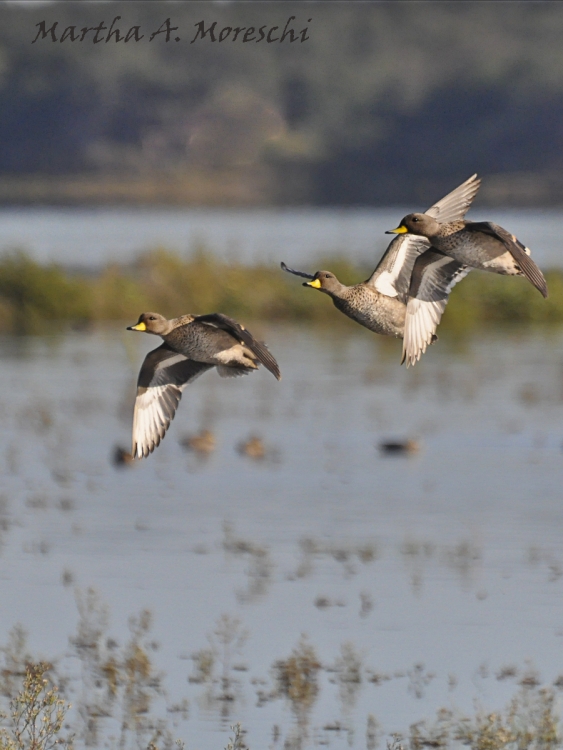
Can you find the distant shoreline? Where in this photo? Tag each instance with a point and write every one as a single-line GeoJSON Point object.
{"type": "Point", "coordinates": [252, 186]}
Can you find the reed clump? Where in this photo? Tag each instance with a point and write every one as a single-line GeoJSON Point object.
{"type": "Point", "coordinates": [34, 297]}
{"type": "Point", "coordinates": [297, 677]}
{"type": "Point", "coordinates": [529, 721]}
{"type": "Point", "coordinates": [37, 714]}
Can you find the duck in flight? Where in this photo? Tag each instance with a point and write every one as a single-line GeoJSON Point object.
{"type": "Point", "coordinates": [478, 244]}
{"type": "Point", "coordinates": [192, 345]}
{"type": "Point", "coordinates": [408, 291]}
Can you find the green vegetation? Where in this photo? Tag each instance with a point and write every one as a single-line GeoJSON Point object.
{"type": "Point", "coordinates": [34, 298]}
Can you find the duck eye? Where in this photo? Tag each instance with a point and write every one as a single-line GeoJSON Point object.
{"type": "Point", "coordinates": [152, 317]}
{"type": "Point", "coordinates": [415, 219]}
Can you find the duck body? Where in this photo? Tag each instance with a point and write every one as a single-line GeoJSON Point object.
{"type": "Point", "coordinates": [364, 304]}
{"type": "Point", "coordinates": [212, 346]}
{"type": "Point", "coordinates": [192, 345]}
{"type": "Point", "coordinates": [477, 244]}
{"type": "Point", "coordinates": [482, 251]}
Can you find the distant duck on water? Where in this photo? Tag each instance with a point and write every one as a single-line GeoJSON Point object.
{"type": "Point", "coordinates": [203, 443]}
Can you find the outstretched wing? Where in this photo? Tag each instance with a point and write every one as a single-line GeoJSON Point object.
{"type": "Point", "coordinates": [393, 273]}
{"type": "Point", "coordinates": [239, 332]}
{"type": "Point", "coordinates": [163, 376]}
{"type": "Point", "coordinates": [455, 205]}
{"type": "Point", "coordinates": [392, 276]}
{"type": "Point", "coordinates": [519, 252]}
{"type": "Point", "coordinates": [434, 276]}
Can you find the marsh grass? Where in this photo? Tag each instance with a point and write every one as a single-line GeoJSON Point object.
{"type": "Point", "coordinates": [529, 721]}
{"type": "Point", "coordinates": [37, 714]}
{"type": "Point", "coordinates": [297, 678]}
{"type": "Point", "coordinates": [33, 297]}
{"type": "Point", "coordinates": [119, 700]}
{"type": "Point", "coordinates": [119, 685]}
{"type": "Point", "coordinates": [214, 667]}
{"type": "Point", "coordinates": [236, 742]}
{"type": "Point", "coordinates": [126, 685]}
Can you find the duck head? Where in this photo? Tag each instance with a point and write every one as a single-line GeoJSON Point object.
{"type": "Point", "coordinates": [150, 322]}
{"type": "Point", "coordinates": [324, 281]}
{"type": "Point", "coordinates": [420, 224]}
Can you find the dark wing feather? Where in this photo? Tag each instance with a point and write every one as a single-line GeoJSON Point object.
{"type": "Point", "coordinates": [239, 332]}
{"type": "Point", "coordinates": [519, 252]}
{"type": "Point", "coordinates": [296, 273]}
{"type": "Point", "coordinates": [163, 376]}
{"type": "Point", "coordinates": [392, 276]}
{"type": "Point", "coordinates": [434, 276]}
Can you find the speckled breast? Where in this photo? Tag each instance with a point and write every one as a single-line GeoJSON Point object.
{"type": "Point", "coordinates": [381, 314]}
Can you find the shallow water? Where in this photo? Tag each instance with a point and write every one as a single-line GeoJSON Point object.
{"type": "Point", "coordinates": [92, 237]}
{"type": "Point", "coordinates": [450, 558]}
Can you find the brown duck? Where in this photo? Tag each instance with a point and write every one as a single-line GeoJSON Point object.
{"type": "Point", "coordinates": [477, 244]}
{"type": "Point", "coordinates": [192, 345]}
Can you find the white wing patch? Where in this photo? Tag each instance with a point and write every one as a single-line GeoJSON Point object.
{"type": "Point", "coordinates": [163, 376]}
{"type": "Point", "coordinates": [393, 274]}
{"type": "Point", "coordinates": [170, 361]}
{"type": "Point", "coordinates": [421, 321]}
{"type": "Point", "coordinates": [154, 410]}
{"type": "Point", "coordinates": [424, 313]}
{"type": "Point", "coordinates": [385, 283]}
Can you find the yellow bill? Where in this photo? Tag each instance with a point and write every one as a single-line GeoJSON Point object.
{"type": "Point", "coordinates": [400, 230]}
{"type": "Point", "coordinates": [316, 284]}
{"type": "Point", "coordinates": [139, 327]}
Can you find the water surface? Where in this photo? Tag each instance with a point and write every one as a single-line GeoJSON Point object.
{"type": "Point", "coordinates": [449, 559]}
{"type": "Point", "coordinates": [93, 237]}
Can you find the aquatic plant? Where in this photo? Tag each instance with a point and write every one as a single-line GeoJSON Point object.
{"type": "Point", "coordinates": [237, 741]}
{"type": "Point", "coordinates": [32, 296]}
{"type": "Point", "coordinates": [297, 677]}
{"type": "Point", "coordinates": [35, 297]}
{"type": "Point", "coordinates": [529, 721]}
{"type": "Point", "coordinates": [348, 667]}
{"type": "Point", "coordinates": [37, 714]}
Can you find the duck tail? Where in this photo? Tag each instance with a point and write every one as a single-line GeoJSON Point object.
{"type": "Point", "coordinates": [529, 269]}
{"type": "Point", "coordinates": [238, 331]}
{"type": "Point", "coordinates": [519, 252]}
{"type": "Point", "coordinates": [264, 356]}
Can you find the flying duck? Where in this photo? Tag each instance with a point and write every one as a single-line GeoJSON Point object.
{"type": "Point", "coordinates": [408, 291]}
{"type": "Point", "coordinates": [192, 345]}
{"type": "Point", "coordinates": [478, 244]}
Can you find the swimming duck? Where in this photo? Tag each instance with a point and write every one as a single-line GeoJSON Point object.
{"type": "Point", "coordinates": [478, 244]}
{"type": "Point", "coordinates": [408, 270]}
{"type": "Point", "coordinates": [253, 448]}
{"type": "Point", "coordinates": [400, 447]}
{"type": "Point", "coordinates": [192, 345]}
{"type": "Point", "coordinates": [202, 444]}
{"type": "Point", "coordinates": [121, 457]}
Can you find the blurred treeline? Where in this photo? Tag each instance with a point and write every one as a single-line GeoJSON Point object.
{"type": "Point", "coordinates": [386, 103]}
{"type": "Point", "coordinates": [38, 299]}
